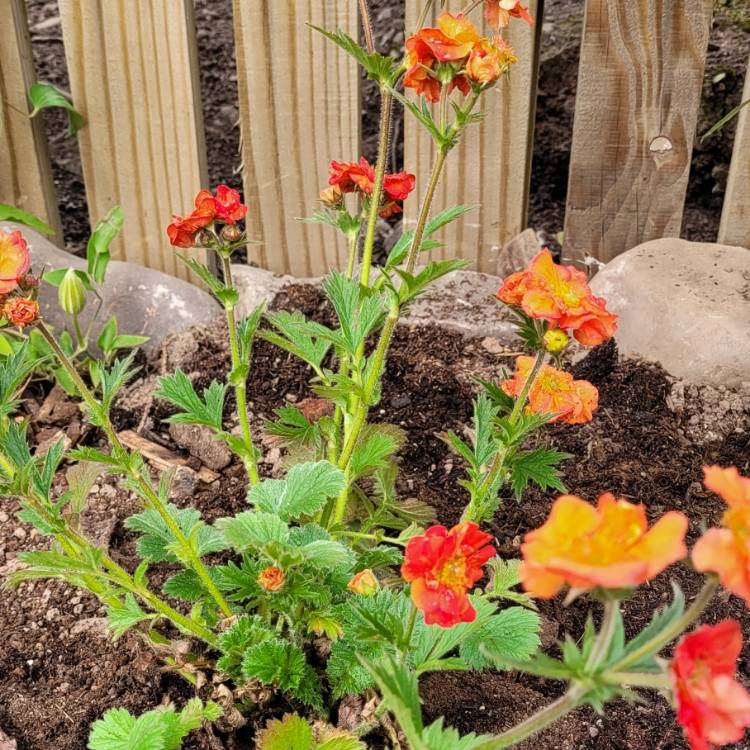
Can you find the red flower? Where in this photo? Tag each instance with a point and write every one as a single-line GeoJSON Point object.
{"type": "Point", "coordinates": [499, 12]}
{"type": "Point", "coordinates": [228, 206]}
{"type": "Point", "coordinates": [352, 176]}
{"type": "Point", "coordinates": [183, 230]}
{"type": "Point", "coordinates": [398, 185]}
{"type": "Point", "coordinates": [21, 311]}
{"type": "Point", "coordinates": [712, 706]}
{"type": "Point", "coordinates": [442, 566]}
{"type": "Point", "coordinates": [271, 578]}
{"type": "Point", "coordinates": [14, 260]}
{"type": "Point", "coordinates": [561, 296]}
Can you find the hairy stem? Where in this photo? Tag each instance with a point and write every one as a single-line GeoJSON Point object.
{"type": "Point", "coordinates": [239, 383]}
{"type": "Point", "coordinates": [604, 637]}
{"type": "Point", "coordinates": [637, 679]}
{"type": "Point", "coordinates": [123, 456]}
{"type": "Point", "coordinates": [655, 644]}
{"type": "Point", "coordinates": [364, 12]}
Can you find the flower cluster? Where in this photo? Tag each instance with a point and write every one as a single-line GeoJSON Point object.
{"type": "Point", "coordinates": [359, 177]}
{"type": "Point", "coordinates": [553, 392]}
{"type": "Point", "coordinates": [18, 304]}
{"type": "Point", "coordinates": [560, 296]}
{"type": "Point", "coordinates": [442, 566]}
{"type": "Point", "coordinates": [224, 207]}
{"type": "Point", "coordinates": [454, 55]}
{"type": "Point", "coordinates": [498, 13]}
{"type": "Point", "coordinates": [608, 546]}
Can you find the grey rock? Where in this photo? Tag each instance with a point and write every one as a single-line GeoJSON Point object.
{"type": "Point", "coordinates": [517, 253]}
{"type": "Point", "coordinates": [685, 305]}
{"type": "Point", "coordinates": [257, 286]}
{"type": "Point", "coordinates": [91, 626]}
{"type": "Point", "coordinates": [199, 441]}
{"type": "Point", "coordinates": [184, 484]}
{"type": "Point", "coordinates": [145, 302]}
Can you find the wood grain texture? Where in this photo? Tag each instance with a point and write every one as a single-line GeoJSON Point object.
{"type": "Point", "coordinates": [299, 108]}
{"type": "Point", "coordinates": [639, 89]}
{"type": "Point", "coordinates": [25, 173]}
{"type": "Point", "coordinates": [491, 167]}
{"type": "Point", "coordinates": [133, 74]}
{"type": "Point", "coordinates": [735, 216]}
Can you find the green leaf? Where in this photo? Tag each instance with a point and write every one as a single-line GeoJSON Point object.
{"type": "Point", "coordinates": [107, 335]}
{"type": "Point", "coordinates": [11, 213]}
{"type": "Point", "coordinates": [126, 341]}
{"type": "Point", "coordinates": [208, 410]}
{"type": "Point", "coordinates": [204, 273]}
{"type": "Point", "coordinates": [504, 576]}
{"type": "Point", "coordinates": [295, 335]}
{"type": "Point", "coordinates": [512, 633]}
{"type": "Point", "coordinates": [119, 730]}
{"type": "Point", "coordinates": [246, 632]}
{"type": "Point", "coordinates": [45, 95]}
{"type": "Point", "coordinates": [414, 285]}
{"type": "Point", "coordinates": [97, 250]}
{"type": "Point", "coordinates": [6, 347]}
{"type": "Point", "coordinates": [54, 278]}
{"type": "Point", "coordinates": [372, 453]}
{"type": "Point", "coordinates": [304, 491]}
{"type": "Point", "coordinates": [538, 466]}
{"type": "Point", "coordinates": [380, 68]}
{"type": "Point", "coordinates": [125, 615]}
{"type": "Point", "coordinates": [252, 529]}
{"type": "Point", "coordinates": [327, 554]}
{"type": "Point", "coordinates": [290, 733]}
{"type": "Point", "coordinates": [724, 120]}
{"type": "Point", "coordinates": [246, 331]}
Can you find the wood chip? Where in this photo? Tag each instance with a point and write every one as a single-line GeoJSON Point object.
{"type": "Point", "coordinates": [162, 458]}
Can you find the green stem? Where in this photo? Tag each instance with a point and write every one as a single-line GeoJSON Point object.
{"type": "Point", "coordinates": [386, 100]}
{"type": "Point", "coordinates": [352, 256]}
{"type": "Point", "coordinates": [536, 723]}
{"type": "Point", "coordinates": [375, 537]}
{"type": "Point", "coordinates": [409, 629]}
{"type": "Point", "coordinates": [636, 679]}
{"type": "Point", "coordinates": [655, 644]}
{"type": "Point", "coordinates": [240, 380]}
{"type": "Point", "coordinates": [80, 341]}
{"type": "Point", "coordinates": [604, 638]}
{"type": "Point", "coordinates": [123, 456]}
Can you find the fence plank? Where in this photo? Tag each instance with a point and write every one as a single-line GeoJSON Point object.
{"type": "Point", "coordinates": [299, 108]}
{"type": "Point", "coordinates": [639, 89]}
{"type": "Point", "coordinates": [25, 173]}
{"type": "Point", "coordinates": [491, 168]}
{"type": "Point", "coordinates": [735, 216]}
{"type": "Point", "coordinates": [134, 77]}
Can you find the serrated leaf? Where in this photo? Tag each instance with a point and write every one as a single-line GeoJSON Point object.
{"type": "Point", "coordinates": [538, 466]}
{"type": "Point", "coordinates": [252, 529]}
{"type": "Point", "coordinates": [379, 67]}
{"type": "Point", "coordinates": [511, 633]}
{"type": "Point", "coordinates": [119, 730]}
{"type": "Point", "coordinates": [179, 390]}
{"type": "Point", "coordinates": [125, 615]}
{"type": "Point", "coordinates": [327, 554]}
{"type": "Point", "coordinates": [291, 732]}
{"type": "Point", "coordinates": [372, 453]}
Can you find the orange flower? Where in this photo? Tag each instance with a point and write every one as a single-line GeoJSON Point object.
{"type": "Point", "coordinates": [14, 260]}
{"type": "Point", "coordinates": [442, 566]}
{"type": "Point", "coordinates": [609, 546]}
{"type": "Point", "coordinates": [352, 176]}
{"type": "Point", "coordinates": [271, 578]}
{"type": "Point", "coordinates": [489, 60]}
{"type": "Point", "coordinates": [21, 311]}
{"type": "Point", "coordinates": [554, 392]}
{"type": "Point", "coordinates": [228, 206]}
{"type": "Point", "coordinates": [499, 12]}
{"type": "Point", "coordinates": [726, 551]}
{"type": "Point", "coordinates": [183, 230]}
{"type": "Point", "coordinates": [364, 583]}
{"type": "Point", "coordinates": [712, 706]}
{"type": "Point", "coordinates": [561, 296]}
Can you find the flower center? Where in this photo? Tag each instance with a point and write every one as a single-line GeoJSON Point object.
{"type": "Point", "coordinates": [453, 573]}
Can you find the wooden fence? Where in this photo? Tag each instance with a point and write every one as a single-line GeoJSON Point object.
{"type": "Point", "coordinates": [134, 76]}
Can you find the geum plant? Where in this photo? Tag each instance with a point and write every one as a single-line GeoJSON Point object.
{"type": "Point", "coordinates": [329, 584]}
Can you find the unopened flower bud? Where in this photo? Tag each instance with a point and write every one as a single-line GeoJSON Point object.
{"type": "Point", "coordinates": [231, 233]}
{"type": "Point", "coordinates": [555, 340]}
{"type": "Point", "coordinates": [271, 578]}
{"type": "Point", "coordinates": [71, 294]}
{"type": "Point", "coordinates": [21, 311]}
{"type": "Point", "coordinates": [364, 583]}
{"type": "Point", "coordinates": [332, 197]}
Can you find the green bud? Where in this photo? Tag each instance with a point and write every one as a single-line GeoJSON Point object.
{"type": "Point", "coordinates": [71, 294]}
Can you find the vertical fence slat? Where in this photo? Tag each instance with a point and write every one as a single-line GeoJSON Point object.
{"type": "Point", "coordinates": [133, 73]}
{"type": "Point", "coordinates": [639, 90]}
{"type": "Point", "coordinates": [299, 108]}
{"type": "Point", "coordinates": [491, 167]}
{"type": "Point", "coordinates": [25, 173]}
{"type": "Point", "coordinates": [735, 216]}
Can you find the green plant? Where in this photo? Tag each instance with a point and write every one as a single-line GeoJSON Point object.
{"type": "Point", "coordinates": [294, 733]}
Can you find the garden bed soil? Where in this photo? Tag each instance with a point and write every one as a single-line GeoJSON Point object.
{"type": "Point", "coordinates": [59, 672]}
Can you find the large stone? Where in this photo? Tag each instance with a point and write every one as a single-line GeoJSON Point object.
{"type": "Point", "coordinates": [517, 253]}
{"type": "Point", "coordinates": [258, 286]}
{"type": "Point", "coordinates": [685, 305]}
{"type": "Point", "coordinates": [145, 302]}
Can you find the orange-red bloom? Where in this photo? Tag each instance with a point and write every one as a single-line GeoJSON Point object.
{"type": "Point", "coordinates": [608, 546]}
{"type": "Point", "coordinates": [228, 206]}
{"type": "Point", "coordinates": [21, 311]}
{"type": "Point", "coordinates": [442, 566]}
{"type": "Point", "coordinates": [489, 60]}
{"type": "Point", "coordinates": [726, 551]}
{"type": "Point", "coordinates": [271, 578]}
{"type": "Point", "coordinates": [561, 296]}
{"type": "Point", "coordinates": [352, 176]}
{"type": "Point", "coordinates": [554, 392]}
{"type": "Point", "coordinates": [499, 12]}
{"type": "Point", "coordinates": [183, 230]}
{"type": "Point", "coordinates": [14, 260]}
{"type": "Point", "coordinates": [712, 706]}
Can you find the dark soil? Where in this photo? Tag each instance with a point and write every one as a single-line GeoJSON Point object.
{"type": "Point", "coordinates": [726, 63]}
{"type": "Point", "coordinates": [54, 680]}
